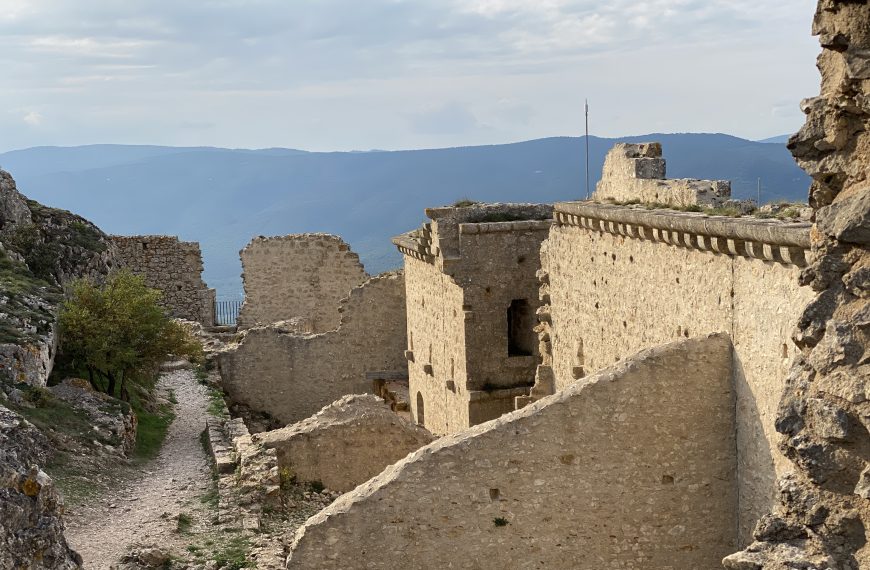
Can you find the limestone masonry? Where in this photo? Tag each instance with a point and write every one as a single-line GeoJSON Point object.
{"type": "Point", "coordinates": [636, 172]}
{"type": "Point", "coordinates": [291, 374]}
{"type": "Point", "coordinates": [175, 268]}
{"type": "Point", "coordinates": [345, 443]}
{"type": "Point", "coordinates": [297, 276]}
{"type": "Point", "coordinates": [634, 468]}
{"type": "Point", "coordinates": [471, 302]}
{"type": "Point", "coordinates": [618, 279]}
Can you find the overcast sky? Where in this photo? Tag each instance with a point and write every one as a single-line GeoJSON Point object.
{"type": "Point", "coordinates": [391, 74]}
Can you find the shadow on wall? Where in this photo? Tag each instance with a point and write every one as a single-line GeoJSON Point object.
{"type": "Point", "coordinates": [635, 467]}
{"type": "Point", "coordinates": [755, 464]}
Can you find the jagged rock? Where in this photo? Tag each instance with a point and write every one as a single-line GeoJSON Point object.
{"type": "Point", "coordinates": [826, 400]}
{"type": "Point", "coordinates": [13, 206]}
{"type": "Point", "coordinates": [41, 249]}
{"type": "Point", "coordinates": [31, 532]}
{"type": "Point", "coordinates": [111, 420]}
{"type": "Point", "coordinates": [848, 219]}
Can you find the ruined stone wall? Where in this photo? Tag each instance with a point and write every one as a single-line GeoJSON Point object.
{"type": "Point", "coordinates": [301, 275]}
{"type": "Point", "coordinates": [613, 293]}
{"type": "Point", "coordinates": [175, 268]}
{"type": "Point", "coordinates": [636, 172]}
{"type": "Point", "coordinates": [822, 517]}
{"type": "Point", "coordinates": [633, 469]}
{"type": "Point", "coordinates": [293, 375]}
{"type": "Point", "coordinates": [465, 271]}
{"type": "Point", "coordinates": [346, 443]}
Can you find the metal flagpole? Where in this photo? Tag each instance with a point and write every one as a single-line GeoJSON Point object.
{"type": "Point", "coordinates": [587, 149]}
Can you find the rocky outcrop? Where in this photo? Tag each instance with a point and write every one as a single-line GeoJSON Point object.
{"type": "Point", "coordinates": [13, 206]}
{"type": "Point", "coordinates": [31, 532]}
{"type": "Point", "coordinates": [823, 515]}
{"type": "Point", "coordinates": [41, 249]}
{"type": "Point", "coordinates": [111, 421]}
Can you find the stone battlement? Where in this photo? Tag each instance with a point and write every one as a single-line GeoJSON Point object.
{"type": "Point", "coordinates": [770, 240]}
{"type": "Point", "coordinates": [637, 172]}
{"type": "Point", "coordinates": [439, 242]}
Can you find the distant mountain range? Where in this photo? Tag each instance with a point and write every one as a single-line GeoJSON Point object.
{"type": "Point", "coordinates": [224, 197]}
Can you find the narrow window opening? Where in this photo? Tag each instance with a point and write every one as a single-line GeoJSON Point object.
{"type": "Point", "coordinates": [521, 324]}
{"type": "Point", "coordinates": [420, 412]}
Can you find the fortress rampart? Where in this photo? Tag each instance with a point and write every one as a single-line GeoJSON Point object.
{"type": "Point", "coordinates": [175, 268]}
{"type": "Point", "coordinates": [297, 276]}
{"type": "Point", "coordinates": [618, 279]}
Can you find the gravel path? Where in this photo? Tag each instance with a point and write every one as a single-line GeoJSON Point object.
{"type": "Point", "coordinates": [144, 510]}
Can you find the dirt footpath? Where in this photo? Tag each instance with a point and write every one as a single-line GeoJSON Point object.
{"type": "Point", "coordinates": [146, 508]}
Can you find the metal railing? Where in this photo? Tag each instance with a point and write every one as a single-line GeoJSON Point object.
{"type": "Point", "coordinates": [226, 311]}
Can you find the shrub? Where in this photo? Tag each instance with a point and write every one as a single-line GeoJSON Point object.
{"type": "Point", "coordinates": [119, 332]}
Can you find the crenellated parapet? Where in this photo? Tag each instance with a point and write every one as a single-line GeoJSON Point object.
{"type": "Point", "coordinates": [768, 240]}
{"type": "Point", "coordinates": [440, 240]}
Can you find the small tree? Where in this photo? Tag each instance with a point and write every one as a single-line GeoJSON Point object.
{"type": "Point", "coordinates": [119, 332]}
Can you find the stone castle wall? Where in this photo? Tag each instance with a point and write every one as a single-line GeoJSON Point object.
{"type": "Point", "coordinates": [616, 287]}
{"type": "Point", "coordinates": [300, 275]}
{"type": "Point", "coordinates": [633, 469]}
{"type": "Point", "coordinates": [293, 375]}
{"type": "Point", "coordinates": [464, 271]}
{"type": "Point", "coordinates": [175, 268]}
{"type": "Point", "coordinates": [436, 337]}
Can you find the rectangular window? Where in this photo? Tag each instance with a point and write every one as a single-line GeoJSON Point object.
{"type": "Point", "coordinates": [521, 324]}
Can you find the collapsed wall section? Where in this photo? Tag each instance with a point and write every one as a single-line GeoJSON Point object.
{"type": "Point", "coordinates": [346, 443]}
{"type": "Point", "coordinates": [293, 375]}
{"type": "Point", "coordinates": [633, 469]}
{"type": "Point", "coordinates": [623, 279]}
{"type": "Point", "coordinates": [636, 172]}
{"type": "Point", "coordinates": [299, 275]}
{"type": "Point", "coordinates": [175, 268]}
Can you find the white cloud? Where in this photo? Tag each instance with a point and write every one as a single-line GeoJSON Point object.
{"type": "Point", "coordinates": [32, 118]}
{"type": "Point", "coordinates": [336, 74]}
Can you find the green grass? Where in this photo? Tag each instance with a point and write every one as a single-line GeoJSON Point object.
{"type": "Point", "coordinates": [57, 415]}
{"type": "Point", "coordinates": [152, 429]}
{"type": "Point", "coordinates": [184, 522]}
{"type": "Point", "coordinates": [54, 415]}
{"type": "Point", "coordinates": [211, 497]}
{"type": "Point", "coordinates": [464, 202]}
{"type": "Point", "coordinates": [233, 554]}
{"type": "Point", "coordinates": [216, 405]}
